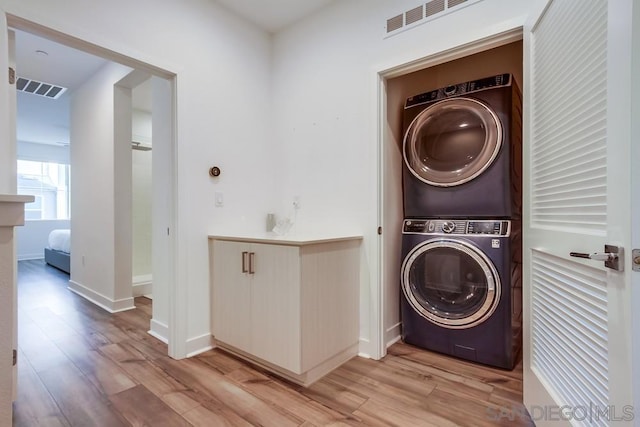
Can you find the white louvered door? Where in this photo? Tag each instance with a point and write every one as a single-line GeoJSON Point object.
{"type": "Point", "coordinates": [577, 340]}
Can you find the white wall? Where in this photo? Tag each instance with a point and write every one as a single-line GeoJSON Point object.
{"type": "Point", "coordinates": [141, 188]}
{"type": "Point", "coordinates": [325, 83]}
{"type": "Point", "coordinates": [162, 206]}
{"type": "Point", "coordinates": [92, 186]}
{"type": "Point", "coordinates": [7, 119]}
{"type": "Point", "coordinates": [142, 125]}
{"type": "Point", "coordinates": [222, 64]}
{"type": "Point", "coordinates": [43, 152]}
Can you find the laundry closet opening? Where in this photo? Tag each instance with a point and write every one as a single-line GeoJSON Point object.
{"type": "Point", "coordinates": [507, 58]}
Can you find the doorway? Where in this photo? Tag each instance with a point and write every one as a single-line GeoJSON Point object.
{"type": "Point", "coordinates": [93, 246]}
{"type": "Point", "coordinates": [489, 57]}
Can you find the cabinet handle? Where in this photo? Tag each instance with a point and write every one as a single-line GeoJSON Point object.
{"type": "Point", "coordinates": [244, 261]}
{"type": "Point", "coordinates": [252, 256]}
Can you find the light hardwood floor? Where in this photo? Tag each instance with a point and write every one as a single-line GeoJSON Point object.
{"type": "Point", "coordinates": [80, 366]}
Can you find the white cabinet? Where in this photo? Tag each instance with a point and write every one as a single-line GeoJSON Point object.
{"type": "Point", "coordinates": [290, 306]}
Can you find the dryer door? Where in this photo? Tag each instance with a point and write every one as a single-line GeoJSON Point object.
{"type": "Point", "coordinates": [451, 283]}
{"type": "Point", "coordinates": [452, 142]}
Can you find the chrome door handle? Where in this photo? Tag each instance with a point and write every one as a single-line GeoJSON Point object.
{"type": "Point", "coordinates": [613, 257]}
{"type": "Point", "coordinates": [598, 256]}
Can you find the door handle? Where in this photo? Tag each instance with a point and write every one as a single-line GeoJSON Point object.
{"type": "Point", "coordinates": [244, 262]}
{"type": "Point", "coordinates": [252, 256]}
{"type": "Point", "coordinates": [613, 257]}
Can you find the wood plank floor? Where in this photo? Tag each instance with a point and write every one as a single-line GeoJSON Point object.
{"type": "Point", "coordinates": [80, 366]}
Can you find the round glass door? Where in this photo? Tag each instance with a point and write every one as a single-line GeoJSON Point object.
{"type": "Point", "coordinates": [451, 283]}
{"type": "Point", "coordinates": [452, 142]}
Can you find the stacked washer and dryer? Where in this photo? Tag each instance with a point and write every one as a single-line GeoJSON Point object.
{"type": "Point", "coordinates": [461, 237]}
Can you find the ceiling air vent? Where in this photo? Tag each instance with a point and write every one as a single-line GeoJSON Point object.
{"type": "Point", "coordinates": [425, 12]}
{"type": "Point", "coordinates": [39, 88]}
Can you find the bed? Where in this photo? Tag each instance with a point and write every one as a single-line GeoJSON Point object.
{"type": "Point", "coordinates": [57, 253]}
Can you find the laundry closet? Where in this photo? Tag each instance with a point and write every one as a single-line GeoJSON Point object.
{"type": "Point", "coordinates": [452, 228]}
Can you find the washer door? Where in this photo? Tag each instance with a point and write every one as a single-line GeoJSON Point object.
{"type": "Point", "coordinates": [452, 142]}
{"type": "Point", "coordinates": [451, 283]}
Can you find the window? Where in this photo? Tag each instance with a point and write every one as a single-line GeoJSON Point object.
{"type": "Point", "coordinates": [49, 183]}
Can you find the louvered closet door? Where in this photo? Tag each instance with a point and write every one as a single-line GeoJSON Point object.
{"type": "Point", "coordinates": [577, 190]}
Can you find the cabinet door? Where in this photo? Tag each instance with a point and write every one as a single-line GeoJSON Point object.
{"type": "Point", "coordinates": [276, 305]}
{"type": "Point", "coordinates": [231, 295]}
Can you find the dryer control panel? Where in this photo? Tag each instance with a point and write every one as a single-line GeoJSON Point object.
{"type": "Point", "coordinates": [459, 89]}
{"type": "Point", "coordinates": [457, 227]}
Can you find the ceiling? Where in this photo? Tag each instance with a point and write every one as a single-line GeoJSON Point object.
{"type": "Point", "coordinates": [274, 15]}
{"type": "Point", "coordinates": [46, 121]}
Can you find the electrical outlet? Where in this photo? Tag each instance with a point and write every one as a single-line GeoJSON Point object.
{"type": "Point", "coordinates": [296, 202]}
{"type": "Point", "coordinates": [219, 199]}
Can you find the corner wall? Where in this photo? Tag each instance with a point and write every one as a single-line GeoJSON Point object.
{"type": "Point", "coordinates": [141, 204]}
{"type": "Point", "coordinates": [93, 251]}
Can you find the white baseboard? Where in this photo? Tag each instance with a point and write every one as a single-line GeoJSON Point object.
{"type": "Point", "coordinates": [142, 279]}
{"type": "Point", "coordinates": [363, 348]}
{"type": "Point", "coordinates": [142, 285]}
{"type": "Point", "coordinates": [393, 334]}
{"type": "Point", "coordinates": [159, 330]}
{"type": "Point", "coordinates": [112, 306]}
{"type": "Point", "coordinates": [199, 345]}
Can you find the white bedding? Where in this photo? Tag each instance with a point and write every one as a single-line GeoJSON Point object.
{"type": "Point", "coordinates": [60, 240]}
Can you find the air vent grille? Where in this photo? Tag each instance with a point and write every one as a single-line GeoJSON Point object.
{"type": "Point", "coordinates": [414, 15]}
{"type": "Point", "coordinates": [424, 13]}
{"type": "Point", "coordinates": [395, 23]}
{"type": "Point", "coordinates": [454, 3]}
{"type": "Point", "coordinates": [35, 87]}
{"type": "Point", "coordinates": [435, 6]}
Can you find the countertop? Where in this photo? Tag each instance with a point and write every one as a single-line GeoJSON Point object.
{"type": "Point", "coordinates": [289, 240]}
{"type": "Point", "coordinates": [15, 198]}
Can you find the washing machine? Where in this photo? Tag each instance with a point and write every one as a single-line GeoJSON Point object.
{"type": "Point", "coordinates": [461, 288]}
{"type": "Point", "coordinates": [462, 151]}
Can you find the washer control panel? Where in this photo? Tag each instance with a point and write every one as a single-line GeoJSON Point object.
{"type": "Point", "coordinates": [457, 227]}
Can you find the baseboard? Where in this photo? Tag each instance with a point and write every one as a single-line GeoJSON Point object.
{"type": "Point", "coordinates": [393, 334]}
{"type": "Point", "coordinates": [363, 348]}
{"type": "Point", "coordinates": [199, 345]}
{"type": "Point", "coordinates": [142, 279]}
{"type": "Point", "coordinates": [159, 330]}
{"type": "Point", "coordinates": [142, 285]}
{"type": "Point", "coordinates": [112, 306]}
{"type": "Point", "coordinates": [29, 257]}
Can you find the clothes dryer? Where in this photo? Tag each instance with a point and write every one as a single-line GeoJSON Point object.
{"type": "Point", "coordinates": [462, 151]}
{"type": "Point", "coordinates": [461, 288]}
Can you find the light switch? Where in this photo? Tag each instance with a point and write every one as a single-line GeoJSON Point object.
{"type": "Point", "coordinates": [219, 199]}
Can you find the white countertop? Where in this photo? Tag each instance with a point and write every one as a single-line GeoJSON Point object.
{"type": "Point", "coordinates": [289, 240]}
{"type": "Point", "coordinates": [12, 209]}
{"type": "Point", "coordinates": [15, 198]}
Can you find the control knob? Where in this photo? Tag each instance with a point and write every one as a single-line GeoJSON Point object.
{"type": "Point", "coordinates": [448, 226]}
{"type": "Point", "coordinates": [450, 90]}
